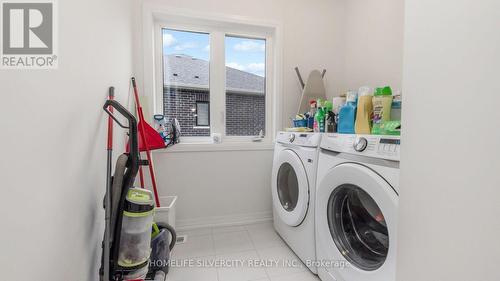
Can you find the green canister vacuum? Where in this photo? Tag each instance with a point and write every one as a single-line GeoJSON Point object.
{"type": "Point", "coordinates": [135, 242]}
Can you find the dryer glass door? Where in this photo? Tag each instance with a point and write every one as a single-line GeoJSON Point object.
{"type": "Point", "coordinates": [288, 187]}
{"type": "Point", "coordinates": [358, 227]}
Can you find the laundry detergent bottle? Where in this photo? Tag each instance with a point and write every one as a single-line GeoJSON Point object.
{"type": "Point", "coordinates": [364, 112]}
{"type": "Point", "coordinates": [347, 114]}
{"type": "Point", "coordinates": [382, 103]}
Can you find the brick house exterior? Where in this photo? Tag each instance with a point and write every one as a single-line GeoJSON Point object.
{"type": "Point", "coordinates": [186, 84]}
{"type": "Point", "coordinates": [179, 103]}
{"type": "Point", "coordinates": [241, 114]}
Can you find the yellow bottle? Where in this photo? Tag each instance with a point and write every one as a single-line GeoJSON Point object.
{"type": "Point", "coordinates": [364, 113]}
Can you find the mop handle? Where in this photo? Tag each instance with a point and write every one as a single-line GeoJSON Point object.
{"type": "Point", "coordinates": [140, 114]}
{"type": "Point", "coordinates": [110, 120]}
{"type": "Point", "coordinates": [137, 102]}
{"type": "Point", "coordinates": [146, 145]}
{"type": "Point", "coordinates": [107, 206]}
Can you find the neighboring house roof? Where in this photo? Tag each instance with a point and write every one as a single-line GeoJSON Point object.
{"type": "Point", "coordinates": [187, 72]}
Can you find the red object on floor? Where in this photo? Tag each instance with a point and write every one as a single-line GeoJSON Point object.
{"type": "Point", "coordinates": [149, 139]}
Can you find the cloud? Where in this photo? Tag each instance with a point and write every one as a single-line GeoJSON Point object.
{"type": "Point", "coordinates": [255, 68]}
{"type": "Point", "coordinates": [185, 46]}
{"type": "Point", "coordinates": [168, 40]}
{"type": "Point", "coordinates": [236, 66]}
{"type": "Point", "coordinates": [250, 46]}
{"type": "Point", "coordinates": [207, 48]}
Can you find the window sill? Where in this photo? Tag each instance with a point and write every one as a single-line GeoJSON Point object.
{"type": "Point", "coordinates": [213, 147]}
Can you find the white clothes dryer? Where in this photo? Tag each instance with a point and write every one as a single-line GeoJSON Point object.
{"type": "Point", "coordinates": [293, 192]}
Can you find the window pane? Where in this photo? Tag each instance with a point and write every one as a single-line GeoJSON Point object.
{"type": "Point", "coordinates": [245, 86]}
{"type": "Point", "coordinates": [186, 78]}
{"type": "Point", "coordinates": [202, 114]}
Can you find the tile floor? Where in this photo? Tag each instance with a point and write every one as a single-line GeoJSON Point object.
{"type": "Point", "coordinates": [238, 253]}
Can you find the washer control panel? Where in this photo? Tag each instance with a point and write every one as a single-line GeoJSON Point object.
{"type": "Point", "coordinates": [299, 139]}
{"type": "Point", "coordinates": [388, 146]}
{"type": "Point", "coordinates": [385, 147]}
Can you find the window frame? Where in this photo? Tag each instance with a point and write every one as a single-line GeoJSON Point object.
{"type": "Point", "coordinates": [217, 28]}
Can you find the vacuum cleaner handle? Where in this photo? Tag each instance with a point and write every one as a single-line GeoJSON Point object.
{"type": "Point", "coordinates": [132, 126]}
{"type": "Point", "coordinates": [116, 105]}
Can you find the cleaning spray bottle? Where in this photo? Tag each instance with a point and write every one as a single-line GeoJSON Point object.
{"type": "Point", "coordinates": [347, 114]}
{"type": "Point", "coordinates": [312, 113]}
{"type": "Point", "coordinates": [329, 117]}
{"type": "Point", "coordinates": [364, 112]}
{"type": "Point", "coordinates": [322, 118]}
{"type": "Point", "coordinates": [319, 118]}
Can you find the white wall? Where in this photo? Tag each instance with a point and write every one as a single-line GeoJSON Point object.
{"type": "Point", "coordinates": [53, 146]}
{"type": "Point", "coordinates": [450, 181]}
{"type": "Point", "coordinates": [220, 187]}
{"type": "Point", "coordinates": [373, 43]}
{"type": "Point", "coordinates": [314, 39]}
{"type": "Point", "coordinates": [224, 186]}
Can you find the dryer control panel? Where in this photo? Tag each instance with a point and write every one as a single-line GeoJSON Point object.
{"type": "Point", "coordinates": [383, 147]}
{"type": "Point", "coordinates": [299, 139]}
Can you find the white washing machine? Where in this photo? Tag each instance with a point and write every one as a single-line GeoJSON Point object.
{"type": "Point", "coordinates": [356, 207]}
{"type": "Point", "coordinates": [293, 191]}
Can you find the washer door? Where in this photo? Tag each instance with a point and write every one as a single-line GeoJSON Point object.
{"type": "Point", "coordinates": [361, 215]}
{"type": "Point", "coordinates": [290, 188]}
{"type": "Point", "coordinates": [358, 227]}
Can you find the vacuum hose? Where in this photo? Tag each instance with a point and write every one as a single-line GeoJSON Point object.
{"type": "Point", "coordinates": [172, 232]}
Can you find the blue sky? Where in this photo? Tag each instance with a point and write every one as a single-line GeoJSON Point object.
{"type": "Point", "coordinates": [241, 53]}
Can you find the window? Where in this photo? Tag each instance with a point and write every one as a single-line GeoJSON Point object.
{"type": "Point", "coordinates": [186, 80]}
{"type": "Point", "coordinates": [217, 78]}
{"type": "Point", "coordinates": [202, 113]}
{"type": "Point", "coordinates": [245, 86]}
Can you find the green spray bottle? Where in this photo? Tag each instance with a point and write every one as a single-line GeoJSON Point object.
{"type": "Point", "coordinates": [319, 118]}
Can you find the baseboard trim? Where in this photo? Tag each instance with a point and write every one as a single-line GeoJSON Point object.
{"type": "Point", "coordinates": [220, 221]}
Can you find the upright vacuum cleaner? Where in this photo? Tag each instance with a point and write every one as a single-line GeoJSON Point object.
{"type": "Point", "coordinates": [134, 247]}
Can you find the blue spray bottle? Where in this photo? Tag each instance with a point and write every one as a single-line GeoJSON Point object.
{"type": "Point", "coordinates": [347, 114]}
